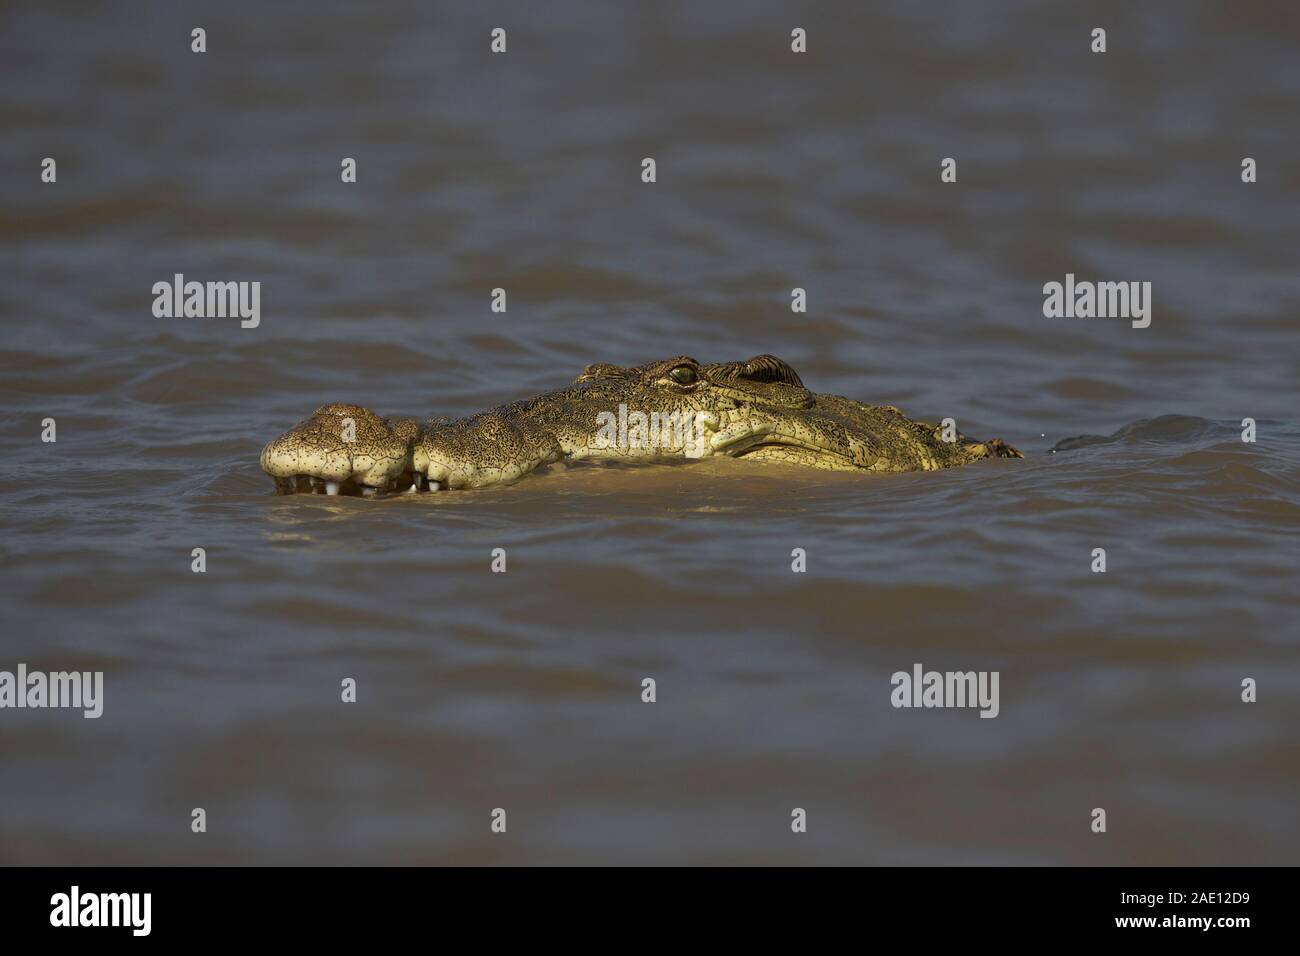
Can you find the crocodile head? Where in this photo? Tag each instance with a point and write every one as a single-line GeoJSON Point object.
{"type": "Point", "coordinates": [757, 409]}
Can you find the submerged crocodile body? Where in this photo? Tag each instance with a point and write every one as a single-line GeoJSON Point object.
{"type": "Point", "coordinates": [675, 408]}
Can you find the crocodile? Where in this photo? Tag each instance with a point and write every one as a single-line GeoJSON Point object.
{"type": "Point", "coordinates": [674, 408]}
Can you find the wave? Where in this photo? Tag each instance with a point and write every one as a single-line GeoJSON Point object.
{"type": "Point", "coordinates": [1162, 430]}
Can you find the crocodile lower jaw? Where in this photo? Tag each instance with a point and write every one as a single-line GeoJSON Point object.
{"type": "Point", "coordinates": [407, 483]}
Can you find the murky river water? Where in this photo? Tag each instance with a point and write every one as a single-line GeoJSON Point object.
{"type": "Point", "coordinates": [522, 690]}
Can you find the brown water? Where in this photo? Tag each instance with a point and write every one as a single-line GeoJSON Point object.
{"type": "Point", "coordinates": [522, 690]}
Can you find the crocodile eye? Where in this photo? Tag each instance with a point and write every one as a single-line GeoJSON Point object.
{"type": "Point", "coordinates": [683, 375]}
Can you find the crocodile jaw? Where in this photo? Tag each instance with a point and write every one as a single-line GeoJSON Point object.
{"type": "Point", "coordinates": [341, 448]}
{"type": "Point", "coordinates": [773, 439]}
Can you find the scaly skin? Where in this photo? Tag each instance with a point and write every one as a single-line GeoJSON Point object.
{"type": "Point", "coordinates": [757, 410]}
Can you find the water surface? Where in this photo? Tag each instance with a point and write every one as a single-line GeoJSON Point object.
{"type": "Point", "coordinates": [523, 690]}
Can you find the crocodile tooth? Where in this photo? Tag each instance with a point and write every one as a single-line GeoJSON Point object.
{"type": "Point", "coordinates": [331, 487]}
{"type": "Point", "coordinates": [434, 485]}
{"type": "Point", "coordinates": [368, 492]}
